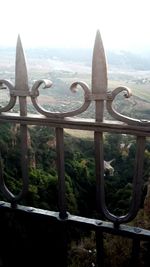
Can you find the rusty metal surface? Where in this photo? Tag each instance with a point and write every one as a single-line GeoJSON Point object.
{"type": "Point", "coordinates": [100, 94]}
{"type": "Point", "coordinates": [93, 224]}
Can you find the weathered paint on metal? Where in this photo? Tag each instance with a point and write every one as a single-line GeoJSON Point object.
{"type": "Point", "coordinates": [100, 94]}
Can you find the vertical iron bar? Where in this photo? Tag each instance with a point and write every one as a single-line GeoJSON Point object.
{"type": "Point", "coordinates": [98, 140]}
{"type": "Point", "coordinates": [100, 249]}
{"type": "Point", "coordinates": [61, 194]}
{"type": "Point", "coordinates": [99, 156]}
{"type": "Point", "coordinates": [61, 172]}
{"type": "Point", "coordinates": [21, 86]}
{"type": "Point", "coordinates": [24, 143]}
{"type": "Point", "coordinates": [138, 174]}
{"type": "Point", "coordinates": [135, 252]}
{"type": "Point", "coordinates": [99, 86]}
{"type": "Point", "coordinates": [63, 245]}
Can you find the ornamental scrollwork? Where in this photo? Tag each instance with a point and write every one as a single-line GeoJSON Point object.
{"type": "Point", "coordinates": [47, 84]}
{"type": "Point", "coordinates": [12, 100]}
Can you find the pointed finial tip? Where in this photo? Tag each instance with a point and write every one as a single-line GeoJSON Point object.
{"type": "Point", "coordinates": [18, 39]}
{"type": "Point", "coordinates": [98, 31]}
{"type": "Point", "coordinates": [19, 43]}
{"type": "Point", "coordinates": [98, 34]}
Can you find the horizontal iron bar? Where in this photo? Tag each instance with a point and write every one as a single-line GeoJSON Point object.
{"type": "Point", "coordinates": [141, 129]}
{"type": "Point", "coordinates": [92, 224]}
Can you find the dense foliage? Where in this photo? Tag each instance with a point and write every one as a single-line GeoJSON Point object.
{"type": "Point", "coordinates": [79, 176]}
{"type": "Point", "coordinates": [79, 169]}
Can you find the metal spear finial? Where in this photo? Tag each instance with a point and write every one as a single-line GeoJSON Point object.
{"type": "Point", "coordinates": [99, 76]}
{"type": "Point", "coordinates": [21, 77]}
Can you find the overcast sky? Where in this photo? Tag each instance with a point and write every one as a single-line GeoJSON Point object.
{"type": "Point", "coordinates": [123, 24]}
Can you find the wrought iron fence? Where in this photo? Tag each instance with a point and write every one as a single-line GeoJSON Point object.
{"type": "Point", "coordinates": [116, 225]}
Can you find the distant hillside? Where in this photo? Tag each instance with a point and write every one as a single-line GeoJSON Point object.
{"type": "Point", "coordinates": [128, 60]}
{"type": "Point", "coordinates": [117, 59]}
{"type": "Point", "coordinates": [64, 54]}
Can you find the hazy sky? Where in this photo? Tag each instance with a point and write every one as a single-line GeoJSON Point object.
{"type": "Point", "coordinates": [73, 23]}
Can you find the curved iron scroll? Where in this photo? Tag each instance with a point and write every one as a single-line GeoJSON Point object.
{"type": "Point", "coordinates": [73, 88]}
{"type": "Point", "coordinates": [98, 94]}
{"type": "Point", "coordinates": [12, 100]}
{"type": "Point", "coordinates": [99, 88]}
{"type": "Point", "coordinates": [22, 91]}
{"type": "Point", "coordinates": [7, 193]}
{"type": "Point", "coordinates": [111, 95]}
{"type": "Point", "coordinates": [136, 188]}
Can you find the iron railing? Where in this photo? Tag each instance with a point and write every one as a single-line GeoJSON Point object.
{"type": "Point", "coordinates": [99, 94]}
